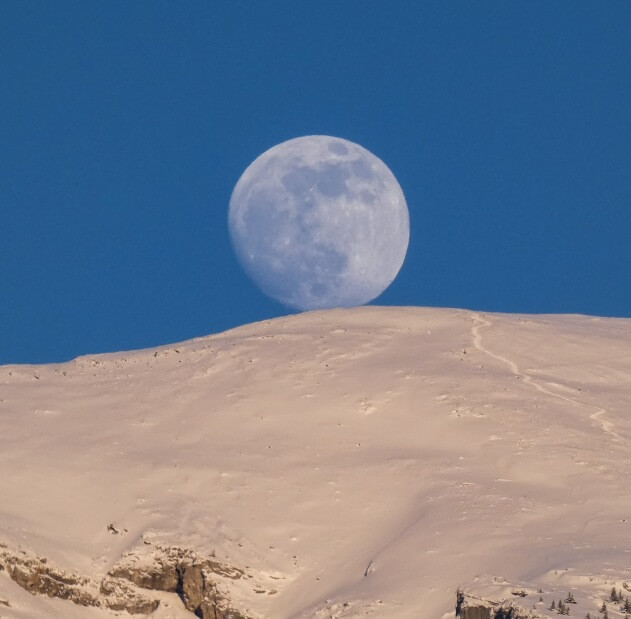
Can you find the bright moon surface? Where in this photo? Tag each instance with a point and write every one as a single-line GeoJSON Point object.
{"type": "Point", "coordinates": [319, 222]}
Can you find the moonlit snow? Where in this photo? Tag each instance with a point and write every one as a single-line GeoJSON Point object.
{"type": "Point", "coordinates": [364, 462]}
{"type": "Point", "coordinates": [319, 222]}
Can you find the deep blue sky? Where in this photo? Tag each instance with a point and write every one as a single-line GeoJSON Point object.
{"type": "Point", "coordinates": [125, 125]}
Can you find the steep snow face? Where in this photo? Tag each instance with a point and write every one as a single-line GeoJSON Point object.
{"type": "Point", "coordinates": [365, 461]}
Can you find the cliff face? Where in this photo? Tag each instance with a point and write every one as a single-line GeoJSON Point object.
{"type": "Point", "coordinates": [197, 580]}
{"type": "Point", "coordinates": [471, 607]}
{"type": "Point", "coordinates": [476, 612]}
{"type": "Point", "coordinates": [130, 585]}
{"type": "Point", "coordinates": [490, 611]}
{"type": "Point", "coordinates": [37, 576]}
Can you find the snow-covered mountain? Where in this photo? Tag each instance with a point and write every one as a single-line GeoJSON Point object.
{"type": "Point", "coordinates": [345, 463]}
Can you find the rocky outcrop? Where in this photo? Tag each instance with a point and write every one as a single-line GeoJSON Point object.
{"type": "Point", "coordinates": [197, 580]}
{"type": "Point", "coordinates": [127, 586]}
{"type": "Point", "coordinates": [472, 607]}
{"type": "Point", "coordinates": [490, 610]}
{"type": "Point", "coordinates": [558, 592]}
{"type": "Point", "coordinates": [37, 576]}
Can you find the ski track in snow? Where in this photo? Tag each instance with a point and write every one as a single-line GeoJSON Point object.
{"type": "Point", "coordinates": [481, 321]}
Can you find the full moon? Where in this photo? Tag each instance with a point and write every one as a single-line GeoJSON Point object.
{"type": "Point", "coordinates": [319, 222]}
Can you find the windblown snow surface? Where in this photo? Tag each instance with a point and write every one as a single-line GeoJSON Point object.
{"type": "Point", "coordinates": [367, 462]}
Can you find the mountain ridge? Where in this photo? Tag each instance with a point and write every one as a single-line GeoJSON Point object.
{"type": "Point", "coordinates": [374, 457]}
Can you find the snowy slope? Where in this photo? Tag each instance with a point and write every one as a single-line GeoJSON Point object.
{"type": "Point", "coordinates": [354, 462]}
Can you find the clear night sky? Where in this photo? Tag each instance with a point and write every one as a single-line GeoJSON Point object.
{"type": "Point", "coordinates": [124, 126]}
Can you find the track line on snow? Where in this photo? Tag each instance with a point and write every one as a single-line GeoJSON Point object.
{"type": "Point", "coordinates": [480, 321]}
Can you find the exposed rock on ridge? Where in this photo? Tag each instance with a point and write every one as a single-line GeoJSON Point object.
{"type": "Point", "coordinates": [126, 587]}
{"type": "Point", "coordinates": [35, 575]}
{"type": "Point", "coordinates": [471, 607]}
{"type": "Point", "coordinates": [195, 579]}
